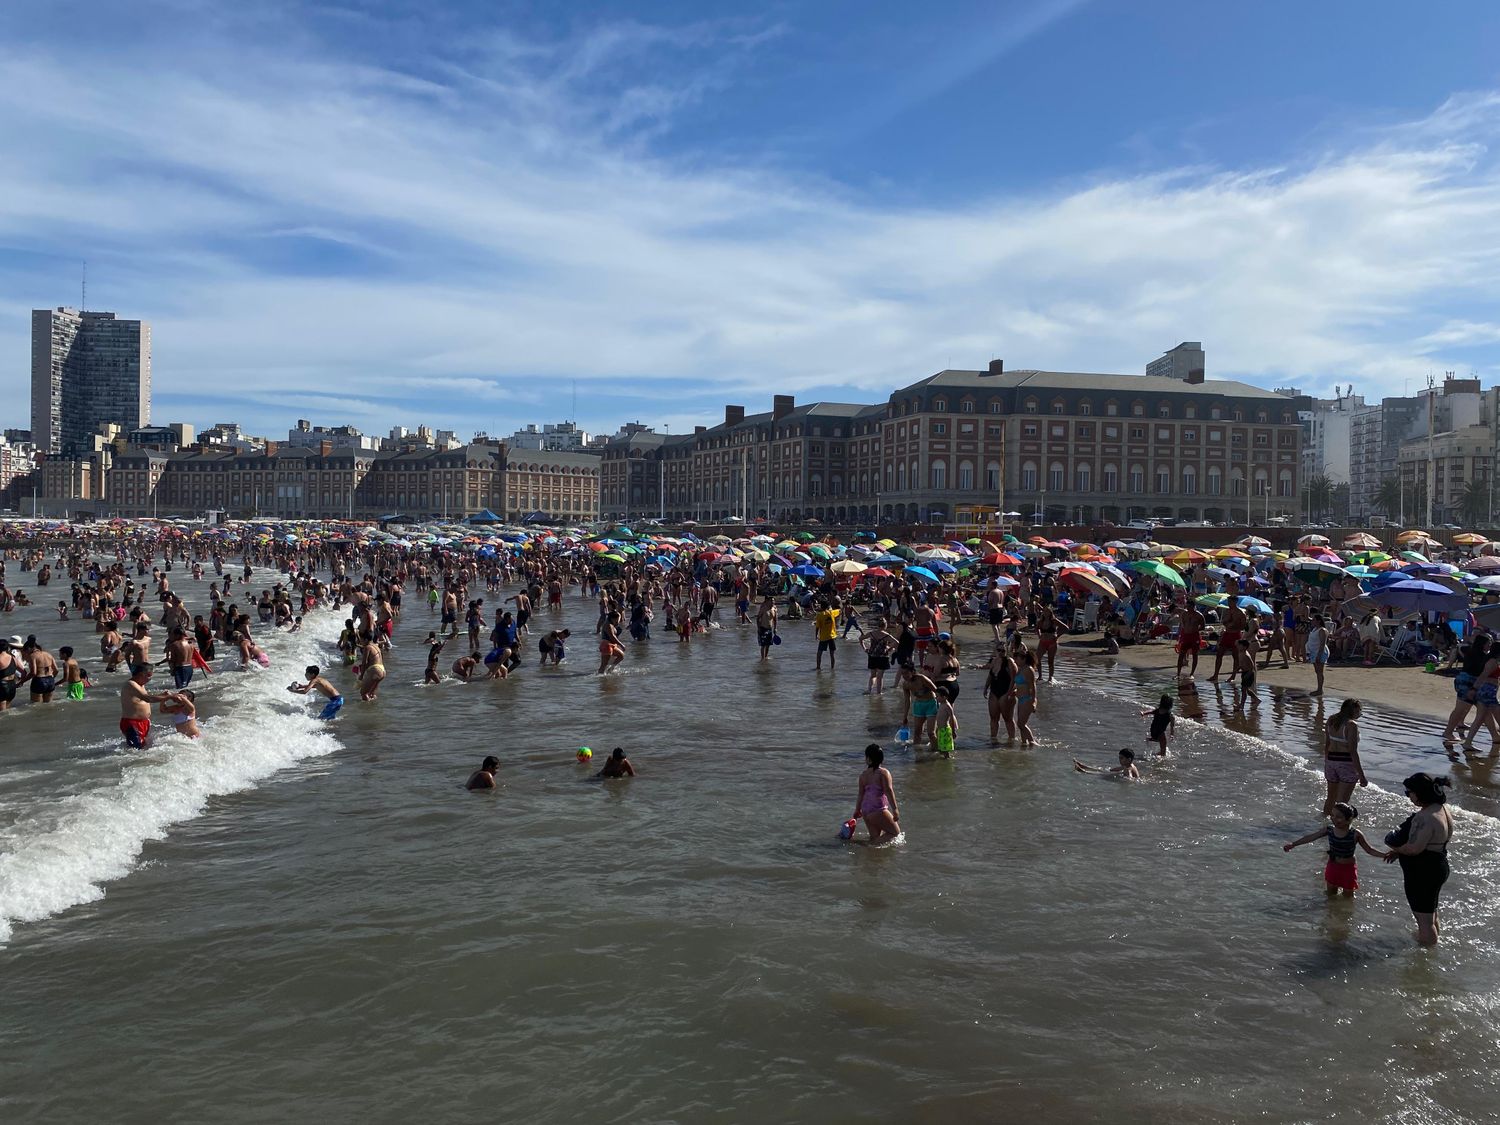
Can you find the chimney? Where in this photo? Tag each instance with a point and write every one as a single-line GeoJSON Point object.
{"type": "Point", "coordinates": [271, 448]}
{"type": "Point", "coordinates": [997, 367]}
{"type": "Point", "coordinates": [1194, 375]}
{"type": "Point", "coordinates": [700, 429]}
{"type": "Point", "coordinates": [325, 448]}
{"type": "Point", "coordinates": [733, 414]}
{"type": "Point", "coordinates": [782, 405]}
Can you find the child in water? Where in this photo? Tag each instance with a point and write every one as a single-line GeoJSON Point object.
{"type": "Point", "coordinates": [1339, 873]}
{"type": "Point", "coordinates": [1162, 723]}
{"type": "Point", "coordinates": [1126, 770]}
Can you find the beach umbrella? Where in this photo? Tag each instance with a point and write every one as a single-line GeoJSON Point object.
{"type": "Point", "coordinates": [1187, 557]}
{"type": "Point", "coordinates": [1490, 584]}
{"type": "Point", "coordinates": [904, 552]}
{"type": "Point", "coordinates": [1119, 545]}
{"type": "Point", "coordinates": [1319, 540]}
{"type": "Point", "coordinates": [1422, 597]}
{"type": "Point", "coordinates": [1484, 564]}
{"type": "Point", "coordinates": [1158, 550]}
{"type": "Point", "coordinates": [1362, 540]}
{"type": "Point", "coordinates": [1426, 568]}
{"type": "Point", "coordinates": [848, 567]}
{"type": "Point", "coordinates": [1230, 553]}
{"type": "Point", "coordinates": [1414, 556]}
{"type": "Point", "coordinates": [1000, 558]}
{"type": "Point", "coordinates": [1086, 581]}
{"type": "Point", "coordinates": [1001, 580]}
{"type": "Point", "coordinates": [819, 550]}
{"type": "Point", "coordinates": [940, 567]}
{"type": "Point", "coordinates": [1470, 539]}
{"type": "Point", "coordinates": [804, 537]}
{"type": "Point", "coordinates": [807, 570]}
{"type": "Point", "coordinates": [973, 541]}
{"type": "Point", "coordinates": [922, 572]}
{"type": "Point", "coordinates": [877, 572]}
{"type": "Point", "coordinates": [1252, 541]}
{"type": "Point", "coordinates": [1361, 572]}
{"type": "Point", "coordinates": [937, 553]}
{"type": "Point", "coordinates": [1155, 568]}
{"type": "Point", "coordinates": [1314, 572]}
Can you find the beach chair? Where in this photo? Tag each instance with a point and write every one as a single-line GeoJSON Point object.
{"type": "Point", "coordinates": [1086, 618]}
{"type": "Point", "coordinates": [1396, 651]}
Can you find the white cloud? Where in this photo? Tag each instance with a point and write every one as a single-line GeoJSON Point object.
{"type": "Point", "coordinates": [512, 230]}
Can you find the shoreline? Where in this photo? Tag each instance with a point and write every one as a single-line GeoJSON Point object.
{"type": "Point", "coordinates": [1407, 688]}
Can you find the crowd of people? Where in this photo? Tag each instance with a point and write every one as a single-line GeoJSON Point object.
{"type": "Point", "coordinates": [905, 630]}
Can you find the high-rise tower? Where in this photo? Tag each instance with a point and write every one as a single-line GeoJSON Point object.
{"type": "Point", "coordinates": [86, 368]}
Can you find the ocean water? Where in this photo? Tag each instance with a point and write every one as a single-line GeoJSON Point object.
{"type": "Point", "coordinates": [293, 920]}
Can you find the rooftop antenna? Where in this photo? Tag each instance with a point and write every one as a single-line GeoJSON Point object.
{"type": "Point", "coordinates": [574, 419]}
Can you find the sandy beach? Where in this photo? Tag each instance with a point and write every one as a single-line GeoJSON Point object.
{"type": "Point", "coordinates": [1408, 687]}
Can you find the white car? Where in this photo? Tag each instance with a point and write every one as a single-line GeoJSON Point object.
{"type": "Point", "coordinates": [1141, 525]}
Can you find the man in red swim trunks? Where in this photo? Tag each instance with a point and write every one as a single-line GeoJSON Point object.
{"type": "Point", "coordinates": [1234, 629]}
{"type": "Point", "coordinates": [135, 706]}
{"type": "Point", "coordinates": [1189, 638]}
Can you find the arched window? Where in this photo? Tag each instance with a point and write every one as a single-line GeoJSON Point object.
{"type": "Point", "coordinates": [901, 477]}
{"type": "Point", "coordinates": [966, 406]}
{"type": "Point", "coordinates": [1083, 478]}
{"type": "Point", "coordinates": [940, 405]}
{"type": "Point", "coordinates": [1056, 476]}
{"type": "Point", "coordinates": [1215, 482]}
{"type": "Point", "coordinates": [1236, 482]}
{"type": "Point", "coordinates": [939, 474]}
{"type": "Point", "coordinates": [1110, 479]}
{"type": "Point", "coordinates": [1031, 406]}
{"type": "Point", "coordinates": [1058, 406]}
{"type": "Point", "coordinates": [1284, 483]}
{"type": "Point", "coordinates": [966, 475]}
{"type": "Point", "coordinates": [1112, 408]}
{"type": "Point", "coordinates": [1085, 407]}
{"type": "Point", "coordinates": [1262, 482]}
{"type": "Point", "coordinates": [1190, 480]}
{"type": "Point", "coordinates": [1137, 478]}
{"type": "Point", "coordinates": [1028, 476]}
{"type": "Point", "coordinates": [995, 406]}
{"type": "Point", "coordinates": [1138, 408]}
{"type": "Point", "coordinates": [1164, 409]}
{"type": "Point", "coordinates": [992, 476]}
{"type": "Point", "coordinates": [1163, 479]}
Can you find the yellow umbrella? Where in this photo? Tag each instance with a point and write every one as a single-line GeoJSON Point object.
{"type": "Point", "coordinates": [1410, 536]}
{"type": "Point", "coordinates": [1230, 553]}
{"type": "Point", "coordinates": [848, 566]}
{"type": "Point", "coordinates": [1470, 539]}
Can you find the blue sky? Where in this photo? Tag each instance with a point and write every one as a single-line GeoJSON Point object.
{"type": "Point", "coordinates": [453, 213]}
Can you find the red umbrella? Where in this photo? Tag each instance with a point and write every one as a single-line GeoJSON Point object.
{"type": "Point", "coordinates": [876, 572]}
{"type": "Point", "coordinates": [1000, 559]}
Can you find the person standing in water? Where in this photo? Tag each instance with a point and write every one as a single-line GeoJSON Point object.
{"type": "Point", "coordinates": [1420, 845]}
{"type": "Point", "coordinates": [1340, 873]}
{"type": "Point", "coordinates": [765, 626]}
{"type": "Point", "coordinates": [1341, 765]}
{"type": "Point", "coordinates": [1162, 723]}
{"type": "Point", "coordinates": [875, 801]}
{"type": "Point", "coordinates": [1000, 692]}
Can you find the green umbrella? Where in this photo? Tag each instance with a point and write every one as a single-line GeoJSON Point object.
{"type": "Point", "coordinates": [804, 537]}
{"type": "Point", "coordinates": [818, 549]}
{"type": "Point", "coordinates": [622, 533]}
{"type": "Point", "coordinates": [904, 552]}
{"type": "Point", "coordinates": [612, 557]}
{"type": "Point", "coordinates": [973, 542]}
{"type": "Point", "coordinates": [1159, 570]}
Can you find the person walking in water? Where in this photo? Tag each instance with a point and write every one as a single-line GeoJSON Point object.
{"type": "Point", "coordinates": [1162, 724]}
{"type": "Point", "coordinates": [876, 799]}
{"type": "Point", "coordinates": [1340, 872]}
{"type": "Point", "coordinates": [1341, 766]}
{"type": "Point", "coordinates": [1420, 845]}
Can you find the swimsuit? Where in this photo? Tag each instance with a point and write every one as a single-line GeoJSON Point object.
{"type": "Point", "coordinates": [75, 690]}
{"type": "Point", "coordinates": [182, 676]}
{"type": "Point", "coordinates": [924, 708]}
{"type": "Point", "coordinates": [136, 732]}
{"type": "Point", "coordinates": [1340, 870]}
{"type": "Point", "coordinates": [872, 799]}
{"type": "Point", "coordinates": [944, 740]}
{"type": "Point", "coordinates": [331, 708]}
{"type": "Point", "coordinates": [43, 685]}
{"type": "Point", "coordinates": [1338, 765]}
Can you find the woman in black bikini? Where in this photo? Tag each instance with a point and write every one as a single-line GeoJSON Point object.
{"type": "Point", "coordinates": [1000, 690]}
{"type": "Point", "coordinates": [1421, 847]}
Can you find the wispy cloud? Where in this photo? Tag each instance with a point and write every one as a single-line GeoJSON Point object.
{"type": "Point", "coordinates": [510, 227]}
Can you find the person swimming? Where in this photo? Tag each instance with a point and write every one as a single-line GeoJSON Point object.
{"type": "Point", "coordinates": [1126, 770]}
{"type": "Point", "coordinates": [616, 765]}
{"type": "Point", "coordinates": [484, 776]}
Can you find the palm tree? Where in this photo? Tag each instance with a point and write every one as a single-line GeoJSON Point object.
{"type": "Point", "coordinates": [1474, 504]}
{"type": "Point", "coordinates": [1388, 497]}
{"type": "Point", "coordinates": [1319, 493]}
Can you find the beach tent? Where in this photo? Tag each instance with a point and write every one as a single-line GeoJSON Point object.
{"type": "Point", "coordinates": [487, 516]}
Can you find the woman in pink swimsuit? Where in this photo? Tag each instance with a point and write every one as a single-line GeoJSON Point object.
{"type": "Point", "coordinates": [877, 798]}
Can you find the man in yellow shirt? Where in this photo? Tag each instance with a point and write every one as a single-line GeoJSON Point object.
{"type": "Point", "coordinates": [826, 624]}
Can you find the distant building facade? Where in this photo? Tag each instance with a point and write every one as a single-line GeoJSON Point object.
{"type": "Point", "coordinates": [1186, 363]}
{"type": "Point", "coordinates": [87, 368]}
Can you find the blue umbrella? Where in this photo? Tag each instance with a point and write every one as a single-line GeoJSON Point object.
{"type": "Point", "coordinates": [1245, 601]}
{"type": "Point", "coordinates": [941, 567]}
{"type": "Point", "coordinates": [922, 572]}
{"type": "Point", "coordinates": [1422, 597]}
{"type": "Point", "coordinates": [807, 570]}
{"type": "Point", "coordinates": [887, 560]}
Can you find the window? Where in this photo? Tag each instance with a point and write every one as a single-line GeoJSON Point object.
{"type": "Point", "coordinates": [1028, 477]}
{"type": "Point", "coordinates": [1163, 410]}
{"type": "Point", "coordinates": [1216, 413]}
{"type": "Point", "coordinates": [1216, 437]}
{"type": "Point", "coordinates": [967, 406]}
{"type": "Point", "coordinates": [1028, 429]}
{"type": "Point", "coordinates": [1137, 433]}
{"type": "Point", "coordinates": [1237, 438]}
{"type": "Point", "coordinates": [940, 405]}
{"type": "Point", "coordinates": [1238, 415]}
{"type": "Point", "coordinates": [940, 474]}
{"type": "Point", "coordinates": [1284, 483]}
{"type": "Point", "coordinates": [1236, 483]}
{"type": "Point", "coordinates": [966, 475]}
{"type": "Point", "coordinates": [1083, 478]}
{"type": "Point", "coordinates": [1111, 433]}
{"type": "Point", "coordinates": [1057, 430]}
{"type": "Point", "coordinates": [1262, 439]}
{"type": "Point", "coordinates": [1110, 478]}
{"type": "Point", "coordinates": [1163, 433]}
{"type": "Point", "coordinates": [1085, 431]}
{"type": "Point", "coordinates": [1056, 477]}
{"type": "Point", "coordinates": [992, 431]}
{"type": "Point", "coordinates": [1189, 480]}
{"type": "Point", "coordinates": [1190, 411]}
{"type": "Point", "coordinates": [1112, 408]}
{"type": "Point", "coordinates": [966, 427]}
{"type": "Point", "coordinates": [992, 476]}
{"type": "Point", "coordinates": [1262, 416]}
{"type": "Point", "coordinates": [939, 429]}
{"type": "Point", "coordinates": [1163, 479]}
{"type": "Point", "coordinates": [1085, 408]}
{"type": "Point", "coordinates": [1030, 406]}
{"type": "Point", "coordinates": [995, 407]}
{"type": "Point", "coordinates": [1137, 479]}
{"type": "Point", "coordinates": [901, 477]}
{"type": "Point", "coordinates": [1058, 406]}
